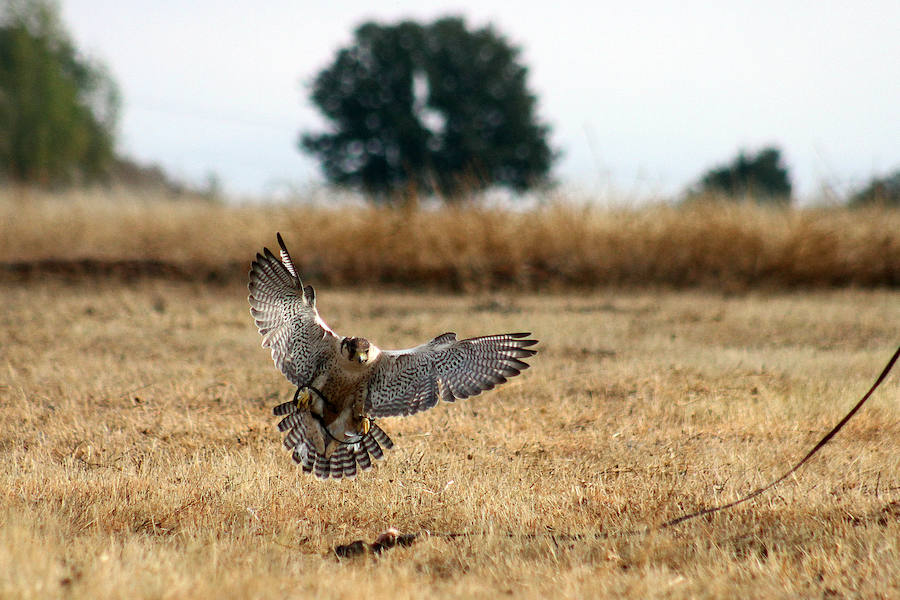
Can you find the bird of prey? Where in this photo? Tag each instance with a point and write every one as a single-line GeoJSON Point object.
{"type": "Point", "coordinates": [343, 383]}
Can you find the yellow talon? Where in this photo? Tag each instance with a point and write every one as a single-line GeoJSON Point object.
{"type": "Point", "coordinates": [365, 425]}
{"type": "Point", "coordinates": [303, 399]}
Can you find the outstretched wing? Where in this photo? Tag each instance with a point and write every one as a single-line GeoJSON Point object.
{"type": "Point", "coordinates": [286, 315]}
{"type": "Point", "coordinates": [409, 381]}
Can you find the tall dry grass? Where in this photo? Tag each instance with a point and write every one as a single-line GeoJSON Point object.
{"type": "Point", "coordinates": [730, 246]}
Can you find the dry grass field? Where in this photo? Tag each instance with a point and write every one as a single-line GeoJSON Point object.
{"type": "Point", "coordinates": [726, 246]}
{"type": "Point", "coordinates": [139, 457]}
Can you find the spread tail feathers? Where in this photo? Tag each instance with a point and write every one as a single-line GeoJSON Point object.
{"type": "Point", "coordinates": [346, 459]}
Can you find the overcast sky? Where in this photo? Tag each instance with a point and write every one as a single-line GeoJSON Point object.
{"type": "Point", "coordinates": [642, 96]}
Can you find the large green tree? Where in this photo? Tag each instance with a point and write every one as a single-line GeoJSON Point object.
{"type": "Point", "coordinates": [428, 108]}
{"type": "Point", "coordinates": [58, 109]}
{"type": "Point", "coordinates": [761, 176]}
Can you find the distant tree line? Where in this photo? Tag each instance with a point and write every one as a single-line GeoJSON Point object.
{"type": "Point", "coordinates": [762, 177]}
{"type": "Point", "coordinates": [436, 108]}
{"type": "Point", "coordinates": [58, 109]}
{"type": "Point", "coordinates": [880, 191]}
{"type": "Point", "coordinates": [439, 108]}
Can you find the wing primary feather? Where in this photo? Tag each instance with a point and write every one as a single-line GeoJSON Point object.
{"type": "Point", "coordinates": [286, 257]}
{"type": "Point", "coordinates": [273, 267]}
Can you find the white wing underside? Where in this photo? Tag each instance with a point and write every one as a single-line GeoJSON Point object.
{"type": "Point", "coordinates": [286, 315]}
{"type": "Point", "coordinates": [415, 379]}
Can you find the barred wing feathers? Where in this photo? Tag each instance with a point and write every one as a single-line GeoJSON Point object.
{"type": "Point", "coordinates": [285, 313]}
{"type": "Point", "coordinates": [408, 381]}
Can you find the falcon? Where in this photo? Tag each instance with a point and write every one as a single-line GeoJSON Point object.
{"type": "Point", "coordinates": [344, 383]}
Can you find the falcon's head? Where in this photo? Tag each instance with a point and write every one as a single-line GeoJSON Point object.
{"type": "Point", "coordinates": [358, 350]}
